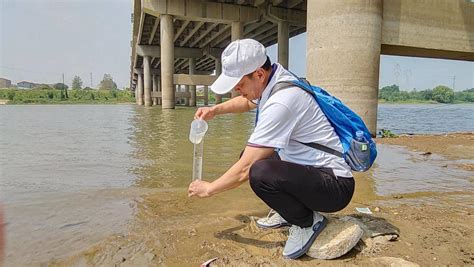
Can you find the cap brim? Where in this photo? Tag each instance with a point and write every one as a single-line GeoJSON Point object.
{"type": "Point", "coordinates": [224, 84]}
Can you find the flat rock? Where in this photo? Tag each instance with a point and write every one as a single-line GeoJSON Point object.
{"type": "Point", "coordinates": [393, 262]}
{"type": "Point", "coordinates": [378, 233]}
{"type": "Point", "coordinates": [373, 226]}
{"type": "Point", "coordinates": [338, 238]}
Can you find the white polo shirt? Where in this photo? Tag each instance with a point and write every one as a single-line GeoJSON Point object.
{"type": "Point", "coordinates": [291, 116]}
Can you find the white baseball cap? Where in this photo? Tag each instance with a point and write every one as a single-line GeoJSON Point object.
{"type": "Point", "coordinates": [239, 58]}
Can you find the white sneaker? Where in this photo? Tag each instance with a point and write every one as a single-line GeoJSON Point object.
{"type": "Point", "coordinates": [300, 239]}
{"type": "Point", "coordinates": [273, 220]}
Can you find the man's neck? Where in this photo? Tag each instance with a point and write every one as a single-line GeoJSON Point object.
{"type": "Point", "coordinates": [268, 73]}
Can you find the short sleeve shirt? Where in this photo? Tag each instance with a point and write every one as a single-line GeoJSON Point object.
{"type": "Point", "coordinates": [291, 117]}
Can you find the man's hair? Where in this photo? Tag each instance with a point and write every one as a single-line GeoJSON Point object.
{"type": "Point", "coordinates": [266, 66]}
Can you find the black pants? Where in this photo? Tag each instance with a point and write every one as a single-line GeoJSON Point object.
{"type": "Point", "coordinates": [295, 190]}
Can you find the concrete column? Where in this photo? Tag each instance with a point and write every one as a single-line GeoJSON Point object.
{"type": "Point", "coordinates": [283, 43]}
{"type": "Point", "coordinates": [192, 88]}
{"type": "Point", "coordinates": [218, 72]}
{"type": "Point", "coordinates": [206, 95]}
{"type": "Point", "coordinates": [155, 88]}
{"type": "Point", "coordinates": [177, 89]}
{"type": "Point", "coordinates": [139, 92]}
{"type": "Point", "coordinates": [236, 30]}
{"type": "Point", "coordinates": [158, 81]}
{"type": "Point", "coordinates": [186, 99]}
{"type": "Point", "coordinates": [343, 52]}
{"type": "Point", "coordinates": [236, 33]}
{"type": "Point", "coordinates": [147, 80]}
{"type": "Point", "coordinates": [167, 61]}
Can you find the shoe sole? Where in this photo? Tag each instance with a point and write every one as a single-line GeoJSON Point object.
{"type": "Point", "coordinates": [322, 224]}
{"type": "Point", "coordinates": [272, 226]}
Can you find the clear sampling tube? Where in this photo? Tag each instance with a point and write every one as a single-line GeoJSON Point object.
{"type": "Point", "coordinates": [197, 161]}
{"type": "Point", "coordinates": [196, 136]}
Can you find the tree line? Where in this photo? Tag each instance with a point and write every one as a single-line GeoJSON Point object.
{"type": "Point", "coordinates": [439, 94]}
{"type": "Point", "coordinates": [59, 93]}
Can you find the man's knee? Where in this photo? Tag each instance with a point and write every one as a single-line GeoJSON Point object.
{"type": "Point", "coordinates": [259, 172]}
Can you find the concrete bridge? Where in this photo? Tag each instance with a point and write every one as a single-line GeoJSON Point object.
{"type": "Point", "coordinates": [178, 43]}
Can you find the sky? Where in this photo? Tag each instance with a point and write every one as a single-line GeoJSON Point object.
{"type": "Point", "coordinates": [43, 39]}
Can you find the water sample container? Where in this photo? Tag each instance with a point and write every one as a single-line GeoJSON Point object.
{"type": "Point", "coordinates": [197, 131]}
{"type": "Point", "coordinates": [197, 161]}
{"type": "Point", "coordinates": [196, 134]}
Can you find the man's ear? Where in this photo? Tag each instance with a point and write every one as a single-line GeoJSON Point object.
{"type": "Point", "coordinates": [260, 73]}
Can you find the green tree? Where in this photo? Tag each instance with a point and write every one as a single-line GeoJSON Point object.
{"type": "Point", "coordinates": [464, 96]}
{"type": "Point", "coordinates": [107, 83]}
{"type": "Point", "coordinates": [389, 92]}
{"type": "Point", "coordinates": [77, 83]}
{"type": "Point", "coordinates": [443, 94]}
{"type": "Point", "coordinates": [60, 86]}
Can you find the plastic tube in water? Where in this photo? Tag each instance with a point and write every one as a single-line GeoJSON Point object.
{"type": "Point", "coordinates": [197, 161]}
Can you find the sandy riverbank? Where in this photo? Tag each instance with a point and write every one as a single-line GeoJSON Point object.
{"type": "Point", "coordinates": [170, 229]}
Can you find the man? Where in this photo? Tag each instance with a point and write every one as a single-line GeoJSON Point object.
{"type": "Point", "coordinates": [295, 180]}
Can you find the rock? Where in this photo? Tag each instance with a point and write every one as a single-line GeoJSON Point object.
{"type": "Point", "coordinates": [338, 238]}
{"type": "Point", "coordinates": [373, 226]}
{"type": "Point", "coordinates": [377, 233]}
{"type": "Point", "coordinates": [393, 262]}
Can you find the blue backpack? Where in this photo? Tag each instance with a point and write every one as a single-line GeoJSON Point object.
{"type": "Point", "coordinates": [359, 150]}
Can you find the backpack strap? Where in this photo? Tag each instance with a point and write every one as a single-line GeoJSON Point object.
{"type": "Point", "coordinates": [285, 85]}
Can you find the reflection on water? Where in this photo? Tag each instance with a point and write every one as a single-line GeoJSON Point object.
{"type": "Point", "coordinates": [165, 153]}
{"type": "Point", "coordinates": [399, 171]}
{"type": "Point", "coordinates": [63, 172]}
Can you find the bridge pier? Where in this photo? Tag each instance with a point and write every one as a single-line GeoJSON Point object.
{"type": "Point", "coordinates": [218, 72]}
{"type": "Point", "coordinates": [147, 81]}
{"type": "Point", "coordinates": [167, 61]}
{"type": "Point", "coordinates": [155, 88]}
{"type": "Point", "coordinates": [344, 42]}
{"type": "Point", "coordinates": [206, 95]}
{"type": "Point", "coordinates": [192, 88]}
{"type": "Point", "coordinates": [283, 43]}
{"type": "Point", "coordinates": [139, 91]}
{"type": "Point", "coordinates": [236, 33]}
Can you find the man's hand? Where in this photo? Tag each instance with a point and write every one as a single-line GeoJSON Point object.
{"type": "Point", "coordinates": [205, 113]}
{"type": "Point", "coordinates": [199, 188]}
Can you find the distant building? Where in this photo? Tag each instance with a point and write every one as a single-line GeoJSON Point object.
{"type": "Point", "coordinates": [26, 85]}
{"type": "Point", "coordinates": [5, 83]}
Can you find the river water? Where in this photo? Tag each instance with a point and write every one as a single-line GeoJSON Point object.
{"type": "Point", "coordinates": [71, 174]}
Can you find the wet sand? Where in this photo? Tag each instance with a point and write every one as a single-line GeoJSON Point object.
{"type": "Point", "coordinates": [436, 228]}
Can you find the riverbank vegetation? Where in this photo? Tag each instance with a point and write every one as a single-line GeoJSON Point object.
{"type": "Point", "coordinates": [439, 94]}
{"type": "Point", "coordinates": [48, 95]}
{"type": "Point", "coordinates": [59, 94]}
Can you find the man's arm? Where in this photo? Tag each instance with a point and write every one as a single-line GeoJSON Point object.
{"type": "Point", "coordinates": [235, 176]}
{"type": "Point", "coordinates": [238, 104]}
{"type": "Point", "coordinates": [235, 105]}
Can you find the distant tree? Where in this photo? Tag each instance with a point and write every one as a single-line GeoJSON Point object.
{"type": "Point", "coordinates": [77, 83]}
{"type": "Point", "coordinates": [43, 87]}
{"type": "Point", "coordinates": [443, 94]}
{"type": "Point", "coordinates": [464, 96]}
{"type": "Point", "coordinates": [107, 83]}
{"type": "Point", "coordinates": [389, 92]}
{"type": "Point", "coordinates": [60, 86]}
{"type": "Point", "coordinates": [427, 94]}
